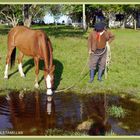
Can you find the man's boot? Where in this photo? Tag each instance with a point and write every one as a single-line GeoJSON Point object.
{"type": "Point", "coordinates": [100, 71]}
{"type": "Point", "coordinates": [91, 75]}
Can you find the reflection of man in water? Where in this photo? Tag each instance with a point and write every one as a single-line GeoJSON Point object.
{"type": "Point", "coordinates": [97, 128]}
{"type": "Point", "coordinates": [96, 110]}
{"type": "Point", "coordinates": [101, 126]}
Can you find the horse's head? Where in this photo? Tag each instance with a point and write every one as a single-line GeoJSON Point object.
{"type": "Point", "coordinates": [49, 79]}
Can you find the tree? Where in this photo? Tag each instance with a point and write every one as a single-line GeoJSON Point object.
{"type": "Point", "coordinates": [27, 16]}
{"type": "Point", "coordinates": [84, 18]}
{"type": "Point", "coordinates": [105, 11]}
{"type": "Point", "coordinates": [132, 10]}
{"type": "Point", "coordinates": [74, 11]}
{"type": "Point", "coordinates": [32, 12]}
{"type": "Point", "coordinates": [111, 9]}
{"type": "Point", "coordinates": [77, 13]}
{"type": "Point", "coordinates": [55, 11]}
{"type": "Point", "coordinates": [11, 14]}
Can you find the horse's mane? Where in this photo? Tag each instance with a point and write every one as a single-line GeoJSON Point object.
{"type": "Point", "coordinates": [50, 51]}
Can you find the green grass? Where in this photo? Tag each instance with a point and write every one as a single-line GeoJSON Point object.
{"type": "Point", "coordinates": [70, 57]}
{"type": "Point", "coordinates": [116, 111]}
{"type": "Point", "coordinates": [60, 132]}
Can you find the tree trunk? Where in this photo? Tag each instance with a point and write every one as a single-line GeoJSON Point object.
{"type": "Point", "coordinates": [27, 21]}
{"type": "Point", "coordinates": [122, 24]}
{"type": "Point", "coordinates": [135, 24]}
{"type": "Point", "coordinates": [14, 23]}
{"type": "Point", "coordinates": [84, 18]}
{"type": "Point", "coordinates": [108, 19]}
{"type": "Point", "coordinates": [27, 18]}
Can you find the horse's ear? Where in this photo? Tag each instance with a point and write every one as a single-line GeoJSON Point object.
{"type": "Point", "coordinates": [52, 69]}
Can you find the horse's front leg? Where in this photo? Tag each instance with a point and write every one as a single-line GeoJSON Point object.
{"type": "Point", "coordinates": [36, 62]}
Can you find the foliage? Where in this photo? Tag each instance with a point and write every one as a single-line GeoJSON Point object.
{"type": "Point", "coordinates": [116, 111]}
{"type": "Point", "coordinates": [110, 9]}
{"type": "Point", "coordinates": [115, 8]}
{"type": "Point", "coordinates": [74, 11]}
{"type": "Point", "coordinates": [110, 133]}
{"type": "Point", "coordinates": [32, 12]}
{"type": "Point", "coordinates": [38, 11]}
{"type": "Point", "coordinates": [60, 132]}
{"type": "Point", "coordinates": [54, 9]}
{"type": "Point", "coordinates": [70, 9]}
{"type": "Point", "coordinates": [11, 13]}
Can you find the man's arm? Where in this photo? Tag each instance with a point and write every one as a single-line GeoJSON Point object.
{"type": "Point", "coordinates": [111, 37]}
{"type": "Point", "coordinates": [90, 43]}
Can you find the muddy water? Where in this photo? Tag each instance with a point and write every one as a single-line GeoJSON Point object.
{"type": "Point", "coordinates": [36, 114]}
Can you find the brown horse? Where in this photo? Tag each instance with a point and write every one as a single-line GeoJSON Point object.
{"type": "Point", "coordinates": [32, 43]}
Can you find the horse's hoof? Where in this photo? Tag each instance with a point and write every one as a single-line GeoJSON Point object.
{"type": "Point", "coordinates": [23, 76]}
{"type": "Point", "coordinates": [5, 77]}
{"type": "Point", "coordinates": [90, 81]}
{"type": "Point", "coordinates": [49, 92]}
{"type": "Point", "coordinates": [36, 85]}
{"type": "Point", "coordinates": [49, 98]}
{"type": "Point", "coordinates": [100, 80]}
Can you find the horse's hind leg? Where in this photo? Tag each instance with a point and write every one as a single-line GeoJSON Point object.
{"type": "Point", "coordinates": [20, 57]}
{"type": "Point", "coordinates": [36, 62]}
{"type": "Point", "coordinates": [10, 50]}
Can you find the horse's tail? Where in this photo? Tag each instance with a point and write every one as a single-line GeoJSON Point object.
{"type": "Point", "coordinates": [13, 57]}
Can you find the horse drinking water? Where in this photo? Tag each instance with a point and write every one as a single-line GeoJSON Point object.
{"type": "Point", "coordinates": [32, 43]}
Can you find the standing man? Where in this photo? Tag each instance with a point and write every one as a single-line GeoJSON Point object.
{"type": "Point", "coordinates": [97, 41]}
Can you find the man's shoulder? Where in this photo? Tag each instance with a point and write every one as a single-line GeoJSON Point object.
{"type": "Point", "coordinates": [109, 31]}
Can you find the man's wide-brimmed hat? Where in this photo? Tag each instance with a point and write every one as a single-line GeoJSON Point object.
{"type": "Point", "coordinates": [99, 26]}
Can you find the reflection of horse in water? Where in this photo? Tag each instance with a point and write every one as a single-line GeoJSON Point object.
{"type": "Point", "coordinates": [32, 43]}
{"type": "Point", "coordinates": [31, 114]}
{"type": "Point", "coordinates": [35, 113]}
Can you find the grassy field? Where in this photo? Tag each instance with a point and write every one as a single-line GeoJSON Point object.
{"type": "Point", "coordinates": [70, 57]}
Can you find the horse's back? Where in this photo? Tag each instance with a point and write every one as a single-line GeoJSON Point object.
{"type": "Point", "coordinates": [30, 42]}
{"type": "Point", "coordinates": [23, 35]}
{"type": "Point", "coordinates": [24, 30]}
{"type": "Point", "coordinates": [18, 29]}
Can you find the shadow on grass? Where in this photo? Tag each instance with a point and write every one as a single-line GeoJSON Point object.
{"type": "Point", "coordinates": [58, 70]}
{"type": "Point", "coordinates": [29, 64]}
{"type": "Point", "coordinates": [62, 31]}
{"type": "Point", "coordinates": [51, 30]}
{"type": "Point", "coordinates": [11, 74]}
{"type": "Point", "coordinates": [4, 30]}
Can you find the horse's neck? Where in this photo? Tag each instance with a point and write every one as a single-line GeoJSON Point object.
{"type": "Point", "coordinates": [50, 54]}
